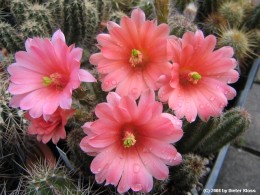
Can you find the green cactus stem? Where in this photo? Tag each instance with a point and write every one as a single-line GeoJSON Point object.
{"type": "Point", "coordinates": [162, 10]}
{"type": "Point", "coordinates": [31, 28]}
{"type": "Point", "coordinates": [19, 8]}
{"type": "Point", "coordinates": [9, 38]}
{"type": "Point", "coordinates": [231, 124]}
{"type": "Point", "coordinates": [188, 173]}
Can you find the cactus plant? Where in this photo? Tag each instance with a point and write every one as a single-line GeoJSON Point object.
{"type": "Point", "coordinates": [179, 24]}
{"type": "Point", "coordinates": [42, 15]}
{"type": "Point", "coordinates": [81, 22]}
{"type": "Point", "coordinates": [44, 179]}
{"type": "Point", "coordinates": [31, 28]}
{"type": "Point", "coordinates": [56, 10]}
{"type": "Point", "coordinates": [162, 10]}
{"type": "Point", "coordinates": [10, 38]}
{"type": "Point", "coordinates": [241, 42]}
{"type": "Point", "coordinates": [253, 19]}
{"type": "Point", "coordinates": [116, 16]}
{"type": "Point", "coordinates": [186, 174]}
{"type": "Point", "coordinates": [194, 133]}
{"type": "Point", "coordinates": [230, 125]}
{"type": "Point", "coordinates": [213, 23]}
{"type": "Point", "coordinates": [233, 12]}
{"type": "Point", "coordinates": [19, 9]}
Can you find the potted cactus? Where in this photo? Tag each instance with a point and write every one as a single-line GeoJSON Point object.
{"type": "Point", "coordinates": [117, 97]}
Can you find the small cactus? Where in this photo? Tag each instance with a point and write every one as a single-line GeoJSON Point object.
{"type": "Point", "coordinates": [56, 10]}
{"type": "Point", "coordinates": [31, 28]}
{"type": "Point", "coordinates": [253, 19]}
{"type": "Point", "coordinates": [190, 11]}
{"type": "Point", "coordinates": [230, 125]}
{"type": "Point", "coordinates": [42, 16]}
{"type": "Point", "coordinates": [241, 42]}
{"type": "Point", "coordinates": [194, 133]}
{"type": "Point", "coordinates": [188, 173]}
{"type": "Point", "coordinates": [116, 16]}
{"type": "Point", "coordinates": [213, 23]}
{"type": "Point", "coordinates": [233, 12]}
{"type": "Point", "coordinates": [9, 38]}
{"type": "Point", "coordinates": [77, 156]}
{"type": "Point", "coordinates": [19, 8]}
{"type": "Point", "coordinates": [162, 10]}
{"type": "Point", "coordinates": [179, 24]}
{"type": "Point", "coordinates": [45, 179]}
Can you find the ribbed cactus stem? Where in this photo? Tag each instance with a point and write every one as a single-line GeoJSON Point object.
{"type": "Point", "coordinates": [231, 124]}
{"type": "Point", "coordinates": [31, 28]}
{"type": "Point", "coordinates": [162, 10]}
{"type": "Point", "coordinates": [10, 38]}
{"type": "Point", "coordinates": [193, 134]}
{"type": "Point", "coordinates": [91, 22]}
{"type": "Point", "coordinates": [187, 173]}
{"type": "Point", "coordinates": [45, 179]}
{"type": "Point", "coordinates": [19, 8]}
{"type": "Point", "coordinates": [56, 10]}
{"type": "Point", "coordinates": [42, 15]}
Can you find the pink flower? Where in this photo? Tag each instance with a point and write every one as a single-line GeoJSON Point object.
{"type": "Point", "coordinates": [197, 83]}
{"type": "Point", "coordinates": [133, 55]}
{"type": "Point", "coordinates": [43, 76]}
{"type": "Point", "coordinates": [132, 143]}
{"type": "Point", "coordinates": [49, 127]}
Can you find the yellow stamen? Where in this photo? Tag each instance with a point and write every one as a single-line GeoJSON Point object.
{"type": "Point", "coordinates": [136, 58]}
{"type": "Point", "coordinates": [46, 81]}
{"type": "Point", "coordinates": [129, 140]}
{"type": "Point", "coordinates": [194, 77]}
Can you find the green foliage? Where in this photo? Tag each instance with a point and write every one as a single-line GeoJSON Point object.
{"type": "Point", "coordinates": [230, 125]}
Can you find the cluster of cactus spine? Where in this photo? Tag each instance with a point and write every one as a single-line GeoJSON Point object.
{"type": "Point", "coordinates": [162, 10]}
{"type": "Point", "coordinates": [179, 24]}
{"type": "Point", "coordinates": [10, 38]}
{"type": "Point", "coordinates": [233, 12]}
{"type": "Point", "coordinates": [42, 178]}
{"type": "Point", "coordinates": [32, 28]}
{"type": "Point", "coordinates": [187, 174]}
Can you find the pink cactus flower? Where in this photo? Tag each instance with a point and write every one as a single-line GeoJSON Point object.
{"type": "Point", "coordinates": [197, 82]}
{"type": "Point", "coordinates": [43, 76]}
{"type": "Point", "coordinates": [132, 143]}
{"type": "Point", "coordinates": [49, 127]}
{"type": "Point", "coordinates": [133, 55]}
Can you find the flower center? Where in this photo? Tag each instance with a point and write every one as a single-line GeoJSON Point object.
{"type": "Point", "coordinates": [56, 80]}
{"type": "Point", "coordinates": [136, 58]}
{"type": "Point", "coordinates": [129, 139]}
{"type": "Point", "coordinates": [194, 77]}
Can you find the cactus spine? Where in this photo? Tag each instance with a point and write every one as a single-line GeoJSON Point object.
{"type": "Point", "coordinates": [162, 10]}
{"type": "Point", "coordinates": [9, 37]}
{"type": "Point", "coordinates": [253, 19]}
{"type": "Point", "coordinates": [233, 12]}
{"type": "Point", "coordinates": [186, 174]}
{"type": "Point", "coordinates": [41, 15]}
{"type": "Point", "coordinates": [231, 124]}
{"type": "Point", "coordinates": [19, 9]}
{"type": "Point", "coordinates": [179, 24]}
{"type": "Point", "coordinates": [194, 133]}
{"type": "Point", "coordinates": [31, 28]}
{"type": "Point", "coordinates": [45, 179]}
